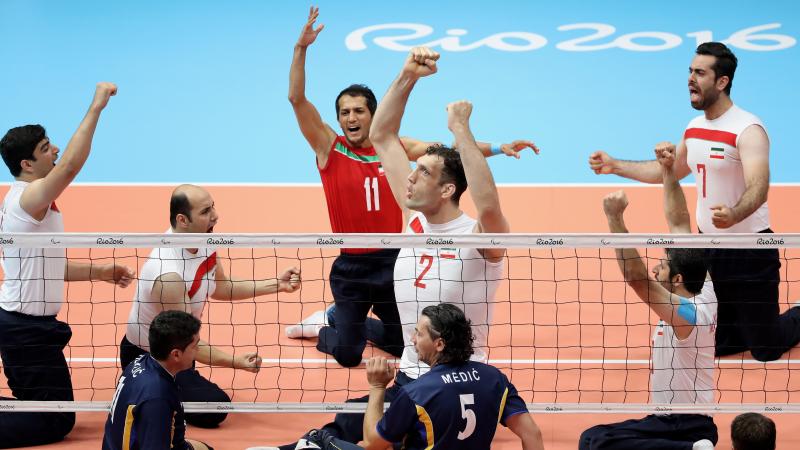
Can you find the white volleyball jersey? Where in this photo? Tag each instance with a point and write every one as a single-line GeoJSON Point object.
{"type": "Point", "coordinates": [683, 370]}
{"type": "Point", "coordinates": [429, 276]}
{"type": "Point", "coordinates": [196, 269]}
{"type": "Point", "coordinates": [713, 156]}
{"type": "Point", "coordinates": [33, 281]}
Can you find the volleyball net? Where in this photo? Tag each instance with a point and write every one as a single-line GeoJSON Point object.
{"type": "Point", "coordinates": [565, 327]}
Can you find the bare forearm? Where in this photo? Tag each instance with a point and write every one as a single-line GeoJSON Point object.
{"type": "Point", "coordinates": [212, 356]}
{"type": "Point", "coordinates": [644, 171]}
{"type": "Point", "coordinates": [297, 75]}
{"type": "Point", "coordinates": [244, 289]}
{"type": "Point", "coordinates": [81, 271]}
{"type": "Point", "coordinates": [386, 124]}
{"type": "Point", "coordinates": [80, 144]}
{"type": "Point", "coordinates": [479, 178]}
{"type": "Point", "coordinates": [630, 263]}
{"type": "Point", "coordinates": [753, 197]}
{"type": "Point", "coordinates": [675, 208]}
{"type": "Point", "coordinates": [373, 413]}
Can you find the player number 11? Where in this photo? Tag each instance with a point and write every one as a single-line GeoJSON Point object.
{"type": "Point", "coordinates": [372, 194]}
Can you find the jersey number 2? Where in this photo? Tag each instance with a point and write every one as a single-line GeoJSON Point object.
{"type": "Point", "coordinates": [427, 262]}
{"type": "Point", "coordinates": [372, 195]}
{"type": "Point", "coordinates": [466, 400]}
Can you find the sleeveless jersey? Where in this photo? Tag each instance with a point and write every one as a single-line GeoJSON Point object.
{"type": "Point", "coordinates": [33, 283]}
{"type": "Point", "coordinates": [713, 157]}
{"type": "Point", "coordinates": [357, 192]}
{"type": "Point", "coordinates": [451, 407]}
{"type": "Point", "coordinates": [429, 276]}
{"type": "Point", "coordinates": [196, 269]}
{"type": "Point", "coordinates": [683, 370]}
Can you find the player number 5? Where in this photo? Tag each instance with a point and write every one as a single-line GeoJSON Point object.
{"type": "Point", "coordinates": [466, 400]}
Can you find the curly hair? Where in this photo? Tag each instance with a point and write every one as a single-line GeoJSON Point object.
{"type": "Point", "coordinates": [449, 323]}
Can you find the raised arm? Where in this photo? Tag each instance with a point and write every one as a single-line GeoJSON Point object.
{"type": "Point", "coordinates": [170, 290]}
{"type": "Point", "coordinates": [675, 209]}
{"type": "Point", "coordinates": [319, 135]}
{"type": "Point", "coordinates": [231, 289]}
{"type": "Point", "coordinates": [661, 301]}
{"type": "Point", "coordinates": [384, 132]}
{"type": "Point", "coordinates": [479, 177]}
{"type": "Point", "coordinates": [645, 171]}
{"type": "Point", "coordinates": [754, 152]}
{"type": "Point", "coordinates": [379, 375]}
{"type": "Point", "coordinates": [40, 194]}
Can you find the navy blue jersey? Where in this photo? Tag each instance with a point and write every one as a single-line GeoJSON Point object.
{"type": "Point", "coordinates": [451, 407]}
{"type": "Point", "coordinates": [146, 412]}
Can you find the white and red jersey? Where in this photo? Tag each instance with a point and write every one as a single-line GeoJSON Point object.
{"type": "Point", "coordinates": [683, 369]}
{"type": "Point", "coordinates": [429, 276]}
{"type": "Point", "coordinates": [33, 281]}
{"type": "Point", "coordinates": [357, 192]}
{"type": "Point", "coordinates": [197, 270]}
{"type": "Point", "coordinates": [713, 156]}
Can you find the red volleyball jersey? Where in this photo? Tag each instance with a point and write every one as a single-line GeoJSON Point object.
{"type": "Point", "coordinates": [358, 193]}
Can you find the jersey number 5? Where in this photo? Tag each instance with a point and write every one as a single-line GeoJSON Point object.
{"type": "Point", "coordinates": [372, 195]}
{"type": "Point", "coordinates": [466, 400]}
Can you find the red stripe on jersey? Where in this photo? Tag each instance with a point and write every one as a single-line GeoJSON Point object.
{"type": "Point", "coordinates": [723, 137]}
{"type": "Point", "coordinates": [54, 207]}
{"type": "Point", "coordinates": [205, 267]}
{"type": "Point", "coordinates": [416, 225]}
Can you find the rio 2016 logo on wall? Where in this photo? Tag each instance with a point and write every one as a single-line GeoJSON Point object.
{"type": "Point", "coordinates": [752, 38]}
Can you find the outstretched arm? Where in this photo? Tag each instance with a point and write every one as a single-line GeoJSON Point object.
{"type": "Point", "coordinates": [416, 148]}
{"type": "Point", "coordinates": [379, 375]}
{"type": "Point", "coordinates": [661, 301]}
{"type": "Point", "coordinates": [645, 171]}
{"type": "Point", "coordinates": [675, 209]}
{"type": "Point", "coordinates": [231, 289]}
{"type": "Point", "coordinates": [40, 194]}
{"type": "Point", "coordinates": [479, 177]}
{"type": "Point", "coordinates": [384, 132]}
{"type": "Point", "coordinates": [318, 134]}
{"type": "Point", "coordinates": [113, 273]}
{"type": "Point", "coordinates": [170, 290]}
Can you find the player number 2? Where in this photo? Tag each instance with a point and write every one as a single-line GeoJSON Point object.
{"type": "Point", "coordinates": [427, 262]}
{"type": "Point", "coordinates": [701, 168]}
{"type": "Point", "coordinates": [372, 194]}
{"type": "Point", "coordinates": [466, 400]}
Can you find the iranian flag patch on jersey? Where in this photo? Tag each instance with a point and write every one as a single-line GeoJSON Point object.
{"type": "Point", "coordinates": [717, 153]}
{"type": "Point", "coordinates": [448, 253]}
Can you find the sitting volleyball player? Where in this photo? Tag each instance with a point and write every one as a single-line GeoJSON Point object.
{"type": "Point", "coordinates": [429, 198]}
{"type": "Point", "coordinates": [146, 413]}
{"type": "Point", "coordinates": [457, 404]}
{"type": "Point", "coordinates": [683, 343]}
{"type": "Point", "coordinates": [183, 279]}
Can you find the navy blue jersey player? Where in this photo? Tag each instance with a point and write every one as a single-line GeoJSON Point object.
{"type": "Point", "coordinates": [146, 412]}
{"type": "Point", "coordinates": [458, 404]}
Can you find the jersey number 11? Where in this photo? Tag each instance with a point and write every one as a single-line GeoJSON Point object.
{"type": "Point", "coordinates": [372, 194]}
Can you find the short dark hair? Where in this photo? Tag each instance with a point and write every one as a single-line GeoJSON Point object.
{"type": "Point", "coordinates": [690, 263]}
{"type": "Point", "coordinates": [449, 323]}
{"type": "Point", "coordinates": [170, 330]}
{"type": "Point", "coordinates": [179, 204]}
{"type": "Point", "coordinates": [725, 64]}
{"type": "Point", "coordinates": [752, 431]}
{"type": "Point", "coordinates": [453, 169]}
{"type": "Point", "coordinates": [18, 144]}
{"type": "Point", "coordinates": [359, 90]}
